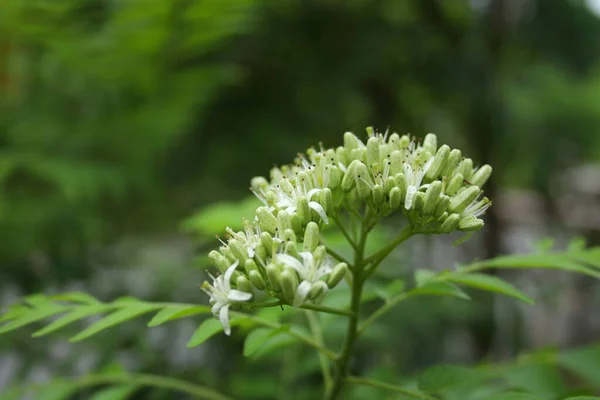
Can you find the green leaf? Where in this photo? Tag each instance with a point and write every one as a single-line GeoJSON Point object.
{"type": "Point", "coordinates": [75, 315]}
{"type": "Point", "coordinates": [14, 312]}
{"type": "Point", "coordinates": [489, 283]}
{"type": "Point", "coordinates": [76, 297]}
{"type": "Point", "coordinates": [207, 329]}
{"type": "Point", "coordinates": [583, 398]}
{"type": "Point", "coordinates": [259, 337]}
{"type": "Point", "coordinates": [583, 362]}
{"type": "Point", "coordinates": [440, 289]}
{"type": "Point", "coordinates": [33, 315]}
{"type": "Point", "coordinates": [57, 390]}
{"type": "Point", "coordinates": [176, 311]}
{"type": "Point", "coordinates": [130, 311]}
{"type": "Point", "coordinates": [390, 290]}
{"type": "Point", "coordinates": [540, 379]}
{"type": "Point", "coordinates": [514, 396]}
{"type": "Point", "coordinates": [544, 245]}
{"type": "Point", "coordinates": [441, 377]}
{"type": "Point", "coordinates": [277, 341]}
{"type": "Point", "coordinates": [552, 261]}
{"type": "Point", "coordinates": [121, 392]}
{"type": "Point", "coordinates": [424, 276]}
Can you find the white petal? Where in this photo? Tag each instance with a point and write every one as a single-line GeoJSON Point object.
{"type": "Point", "coordinates": [224, 318]}
{"type": "Point", "coordinates": [292, 262]}
{"type": "Point", "coordinates": [324, 270]}
{"type": "Point", "coordinates": [238, 295]}
{"type": "Point", "coordinates": [216, 308]}
{"type": "Point", "coordinates": [229, 272]}
{"type": "Point", "coordinates": [312, 192]}
{"type": "Point", "coordinates": [320, 210]}
{"type": "Point", "coordinates": [410, 194]}
{"type": "Point", "coordinates": [302, 293]}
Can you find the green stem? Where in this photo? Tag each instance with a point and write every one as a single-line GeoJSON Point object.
{"type": "Point", "coordinates": [375, 259]}
{"type": "Point", "coordinates": [387, 386]}
{"type": "Point", "coordinates": [382, 310]}
{"type": "Point", "coordinates": [345, 233]}
{"type": "Point", "coordinates": [315, 327]}
{"type": "Point", "coordinates": [328, 310]}
{"type": "Point", "coordinates": [336, 255]}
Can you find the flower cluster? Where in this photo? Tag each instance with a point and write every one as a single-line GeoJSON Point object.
{"type": "Point", "coordinates": [280, 254]}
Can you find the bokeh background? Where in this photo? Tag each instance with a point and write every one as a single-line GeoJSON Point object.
{"type": "Point", "coordinates": [120, 120]}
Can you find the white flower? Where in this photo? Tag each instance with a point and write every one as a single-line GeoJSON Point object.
{"type": "Point", "coordinates": [249, 238]}
{"type": "Point", "coordinates": [477, 208]}
{"type": "Point", "coordinates": [309, 270]}
{"type": "Point", "coordinates": [414, 171]}
{"type": "Point", "coordinates": [222, 296]}
{"type": "Point", "coordinates": [289, 201]}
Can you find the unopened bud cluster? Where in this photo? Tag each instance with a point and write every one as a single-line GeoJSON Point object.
{"type": "Point", "coordinates": [437, 189]}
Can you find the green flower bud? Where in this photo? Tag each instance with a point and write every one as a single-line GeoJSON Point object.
{"type": "Point", "coordinates": [250, 265]}
{"type": "Point", "coordinates": [454, 184]}
{"type": "Point", "coordinates": [401, 183]}
{"type": "Point", "coordinates": [335, 176]}
{"type": "Point", "coordinates": [450, 223]}
{"type": "Point", "coordinates": [389, 184]}
{"type": "Point", "coordinates": [442, 205]}
{"type": "Point", "coordinates": [432, 196]}
{"type": "Point", "coordinates": [303, 210]}
{"type": "Point", "coordinates": [373, 155]}
{"type": "Point", "coordinates": [370, 131]}
{"type": "Point", "coordinates": [271, 198]}
{"type": "Point", "coordinates": [226, 251]}
{"type": "Point", "coordinates": [257, 280]}
{"type": "Point", "coordinates": [337, 274]}
{"type": "Point", "coordinates": [348, 179]}
{"type": "Point", "coordinates": [284, 220]}
{"type": "Point", "coordinates": [404, 141]}
{"type": "Point", "coordinates": [394, 141]}
{"type": "Point", "coordinates": [219, 261]}
{"type": "Point", "coordinates": [377, 194]}
{"type": "Point", "coordinates": [359, 154]}
{"type": "Point", "coordinates": [419, 201]}
{"type": "Point", "coordinates": [292, 249]}
{"type": "Point", "coordinates": [438, 164]}
{"type": "Point", "coordinates": [481, 176]}
{"type": "Point", "coordinates": [396, 161]}
{"type": "Point", "coordinates": [259, 183]}
{"type": "Point", "coordinates": [465, 167]}
{"type": "Point", "coordinates": [362, 180]}
{"type": "Point", "coordinates": [430, 143]}
{"type": "Point", "coordinates": [276, 174]}
{"type": "Point", "coordinates": [462, 200]}
{"type": "Point", "coordinates": [320, 254]}
{"type": "Point", "coordinates": [286, 186]}
{"type": "Point", "coordinates": [311, 237]}
{"type": "Point", "coordinates": [453, 160]}
{"type": "Point", "coordinates": [327, 200]}
{"type": "Point", "coordinates": [318, 290]}
{"type": "Point", "coordinates": [289, 236]}
{"type": "Point", "coordinates": [266, 220]}
{"type": "Point", "coordinates": [306, 180]}
{"type": "Point", "coordinates": [296, 223]}
{"type": "Point", "coordinates": [274, 275]}
{"type": "Point", "coordinates": [342, 155]}
{"type": "Point", "coordinates": [395, 198]}
{"type": "Point", "coordinates": [243, 284]}
{"type": "Point", "coordinates": [266, 240]}
{"type": "Point", "coordinates": [470, 224]}
{"type": "Point", "coordinates": [238, 250]}
{"type": "Point", "coordinates": [288, 281]}
{"type": "Point", "coordinates": [442, 217]}
{"type": "Point", "coordinates": [351, 142]}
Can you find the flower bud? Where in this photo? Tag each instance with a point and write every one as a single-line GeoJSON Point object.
{"type": "Point", "coordinates": [438, 164]}
{"type": "Point", "coordinates": [238, 250]}
{"type": "Point", "coordinates": [296, 223]}
{"type": "Point", "coordinates": [243, 284]}
{"type": "Point", "coordinates": [318, 290]}
{"type": "Point", "coordinates": [359, 154]}
{"type": "Point", "coordinates": [288, 281]}
{"type": "Point", "coordinates": [311, 237]}
{"type": "Point", "coordinates": [266, 220]}
{"type": "Point", "coordinates": [430, 143]}
{"type": "Point", "coordinates": [267, 241]}
{"type": "Point", "coordinates": [259, 183]}
{"type": "Point", "coordinates": [305, 180]}
{"type": "Point", "coordinates": [373, 155]}
{"type": "Point", "coordinates": [342, 155]}
{"type": "Point", "coordinates": [389, 184]}
{"type": "Point", "coordinates": [396, 161]}
{"type": "Point", "coordinates": [284, 220]}
{"type": "Point", "coordinates": [289, 236]}
{"type": "Point", "coordinates": [470, 223]}
{"type": "Point", "coordinates": [465, 167]}
{"type": "Point", "coordinates": [286, 186]}
{"type": "Point", "coordinates": [335, 176]}
{"type": "Point", "coordinates": [442, 205]}
{"type": "Point", "coordinates": [348, 179]}
{"type": "Point", "coordinates": [432, 196]}
{"type": "Point", "coordinates": [454, 184]}
{"type": "Point", "coordinates": [326, 200]}
{"type": "Point", "coordinates": [219, 261]}
{"type": "Point", "coordinates": [303, 210]}
{"type": "Point", "coordinates": [256, 279]}
{"type": "Point", "coordinates": [453, 160]}
{"type": "Point", "coordinates": [351, 141]}
{"type": "Point", "coordinates": [292, 249]}
{"type": "Point", "coordinates": [401, 183]}
{"type": "Point", "coordinates": [337, 274]}
{"type": "Point", "coordinates": [481, 176]}
{"type": "Point", "coordinates": [226, 251]}
{"type": "Point", "coordinates": [395, 198]}
{"type": "Point", "coordinates": [362, 180]}
{"type": "Point", "coordinates": [276, 174]}
{"type": "Point", "coordinates": [274, 275]}
{"type": "Point", "coordinates": [250, 265]}
{"type": "Point", "coordinates": [419, 201]}
{"type": "Point", "coordinates": [377, 195]}
{"type": "Point", "coordinates": [271, 198]}
{"type": "Point", "coordinates": [450, 223]}
{"type": "Point", "coordinates": [370, 131]}
{"type": "Point", "coordinates": [320, 253]}
{"type": "Point", "coordinates": [394, 141]}
{"type": "Point", "coordinates": [462, 200]}
{"type": "Point", "coordinates": [442, 218]}
{"type": "Point", "coordinates": [404, 141]}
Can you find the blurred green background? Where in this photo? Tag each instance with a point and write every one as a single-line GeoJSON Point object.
{"type": "Point", "coordinates": [120, 119]}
